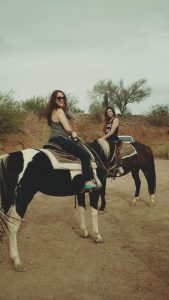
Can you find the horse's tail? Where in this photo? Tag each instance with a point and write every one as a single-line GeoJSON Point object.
{"type": "Point", "coordinates": [150, 172]}
{"type": "Point", "coordinates": [3, 191]}
{"type": "Point", "coordinates": [3, 183]}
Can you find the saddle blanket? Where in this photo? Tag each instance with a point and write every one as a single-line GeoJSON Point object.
{"type": "Point", "coordinates": [127, 150]}
{"type": "Point", "coordinates": [66, 161]}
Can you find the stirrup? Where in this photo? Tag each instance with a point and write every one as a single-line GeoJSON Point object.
{"type": "Point", "coordinates": [90, 186]}
{"type": "Point", "coordinates": [119, 172]}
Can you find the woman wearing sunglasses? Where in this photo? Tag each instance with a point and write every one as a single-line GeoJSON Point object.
{"type": "Point", "coordinates": [63, 135]}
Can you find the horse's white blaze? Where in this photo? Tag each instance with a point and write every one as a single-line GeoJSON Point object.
{"type": "Point", "coordinates": [83, 228]}
{"type": "Point", "coordinates": [13, 226]}
{"type": "Point", "coordinates": [28, 154]}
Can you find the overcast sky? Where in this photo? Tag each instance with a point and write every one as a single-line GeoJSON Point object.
{"type": "Point", "coordinates": [72, 44]}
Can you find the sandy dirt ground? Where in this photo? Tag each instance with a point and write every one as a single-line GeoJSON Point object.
{"type": "Point", "coordinates": [131, 264]}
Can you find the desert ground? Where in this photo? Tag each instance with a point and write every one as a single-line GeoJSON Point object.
{"type": "Point", "coordinates": [131, 264]}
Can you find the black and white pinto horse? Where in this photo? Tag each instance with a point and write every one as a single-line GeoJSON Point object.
{"type": "Point", "coordinates": [24, 173]}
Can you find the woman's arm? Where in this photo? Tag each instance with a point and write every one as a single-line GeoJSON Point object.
{"type": "Point", "coordinates": [114, 126]}
{"type": "Point", "coordinates": [63, 120]}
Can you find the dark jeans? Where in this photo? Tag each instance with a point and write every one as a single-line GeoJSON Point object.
{"type": "Point", "coordinates": [74, 148]}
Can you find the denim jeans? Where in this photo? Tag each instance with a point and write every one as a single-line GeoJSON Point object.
{"type": "Point", "coordinates": [73, 147]}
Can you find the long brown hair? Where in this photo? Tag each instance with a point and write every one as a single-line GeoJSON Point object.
{"type": "Point", "coordinates": [53, 105]}
{"type": "Point", "coordinates": [106, 118]}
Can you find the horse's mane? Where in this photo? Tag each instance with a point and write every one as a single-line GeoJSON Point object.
{"type": "Point", "coordinates": [105, 146]}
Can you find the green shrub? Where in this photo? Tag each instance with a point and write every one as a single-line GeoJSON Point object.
{"type": "Point", "coordinates": [160, 115]}
{"type": "Point", "coordinates": [11, 115]}
{"type": "Point", "coordinates": [96, 109]}
{"type": "Point", "coordinates": [36, 105]}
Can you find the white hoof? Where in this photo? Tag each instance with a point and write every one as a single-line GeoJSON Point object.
{"type": "Point", "coordinates": [133, 202]}
{"type": "Point", "coordinates": [84, 233]}
{"type": "Point", "coordinates": [20, 268]}
{"type": "Point", "coordinates": [98, 238]}
{"type": "Point", "coordinates": [151, 203]}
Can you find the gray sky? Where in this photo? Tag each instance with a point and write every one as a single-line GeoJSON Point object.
{"type": "Point", "coordinates": [72, 44]}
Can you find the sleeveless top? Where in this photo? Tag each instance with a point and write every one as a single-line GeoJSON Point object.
{"type": "Point", "coordinates": [57, 129]}
{"type": "Point", "coordinates": [108, 127]}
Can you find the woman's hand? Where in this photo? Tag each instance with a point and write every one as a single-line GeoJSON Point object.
{"type": "Point", "coordinates": [74, 134]}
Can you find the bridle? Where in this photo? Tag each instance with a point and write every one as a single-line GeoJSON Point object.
{"type": "Point", "coordinates": [108, 169]}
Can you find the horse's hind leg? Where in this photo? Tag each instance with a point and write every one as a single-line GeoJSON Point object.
{"type": "Point", "coordinates": [13, 226]}
{"type": "Point", "coordinates": [81, 203]}
{"type": "Point", "coordinates": [151, 185]}
{"type": "Point", "coordinates": [136, 177]}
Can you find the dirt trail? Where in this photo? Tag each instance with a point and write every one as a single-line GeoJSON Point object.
{"type": "Point", "coordinates": [131, 264]}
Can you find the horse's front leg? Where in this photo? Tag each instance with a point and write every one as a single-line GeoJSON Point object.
{"type": "Point", "coordinates": [103, 196]}
{"type": "Point", "coordinates": [81, 203]}
{"type": "Point", "coordinates": [13, 226]}
{"type": "Point", "coordinates": [94, 197]}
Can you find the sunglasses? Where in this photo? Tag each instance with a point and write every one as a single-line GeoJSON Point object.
{"type": "Point", "coordinates": [61, 98]}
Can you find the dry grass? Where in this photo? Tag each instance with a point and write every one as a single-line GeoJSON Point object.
{"type": "Point", "coordinates": [35, 133]}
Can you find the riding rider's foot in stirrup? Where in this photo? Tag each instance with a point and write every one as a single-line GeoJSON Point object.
{"type": "Point", "coordinates": [89, 185]}
{"type": "Point", "coordinates": [120, 172]}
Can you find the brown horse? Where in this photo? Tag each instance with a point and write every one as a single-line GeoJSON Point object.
{"type": "Point", "coordinates": [144, 161]}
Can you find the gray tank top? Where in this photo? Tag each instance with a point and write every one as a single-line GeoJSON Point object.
{"type": "Point", "coordinates": [57, 130]}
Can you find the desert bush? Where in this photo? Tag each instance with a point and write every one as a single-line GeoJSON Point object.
{"type": "Point", "coordinates": [36, 105]}
{"type": "Point", "coordinates": [96, 109]}
{"type": "Point", "coordinates": [159, 115]}
{"type": "Point", "coordinates": [11, 114]}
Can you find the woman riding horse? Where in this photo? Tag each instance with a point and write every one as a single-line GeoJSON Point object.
{"type": "Point", "coordinates": [63, 135]}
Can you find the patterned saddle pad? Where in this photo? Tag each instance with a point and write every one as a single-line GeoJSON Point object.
{"type": "Point", "coordinates": [63, 160]}
{"type": "Point", "coordinates": [127, 150]}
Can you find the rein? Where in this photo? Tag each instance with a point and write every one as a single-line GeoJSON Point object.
{"type": "Point", "coordinates": [105, 167]}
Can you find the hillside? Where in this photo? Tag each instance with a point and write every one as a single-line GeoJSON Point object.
{"type": "Point", "coordinates": [35, 133]}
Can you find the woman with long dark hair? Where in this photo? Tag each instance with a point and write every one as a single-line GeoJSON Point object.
{"type": "Point", "coordinates": [111, 125]}
{"type": "Point", "coordinates": [111, 128]}
{"type": "Point", "coordinates": [63, 135]}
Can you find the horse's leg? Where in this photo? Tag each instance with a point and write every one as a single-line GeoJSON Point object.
{"type": "Point", "coordinates": [151, 185]}
{"type": "Point", "coordinates": [136, 177]}
{"type": "Point", "coordinates": [94, 197]}
{"type": "Point", "coordinates": [81, 203]}
{"type": "Point", "coordinates": [25, 193]}
{"type": "Point", "coordinates": [103, 194]}
{"type": "Point", "coordinates": [13, 226]}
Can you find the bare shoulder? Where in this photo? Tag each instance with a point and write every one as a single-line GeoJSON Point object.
{"type": "Point", "coordinates": [60, 112]}
{"type": "Point", "coordinates": [116, 120]}
{"type": "Point", "coordinates": [57, 114]}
